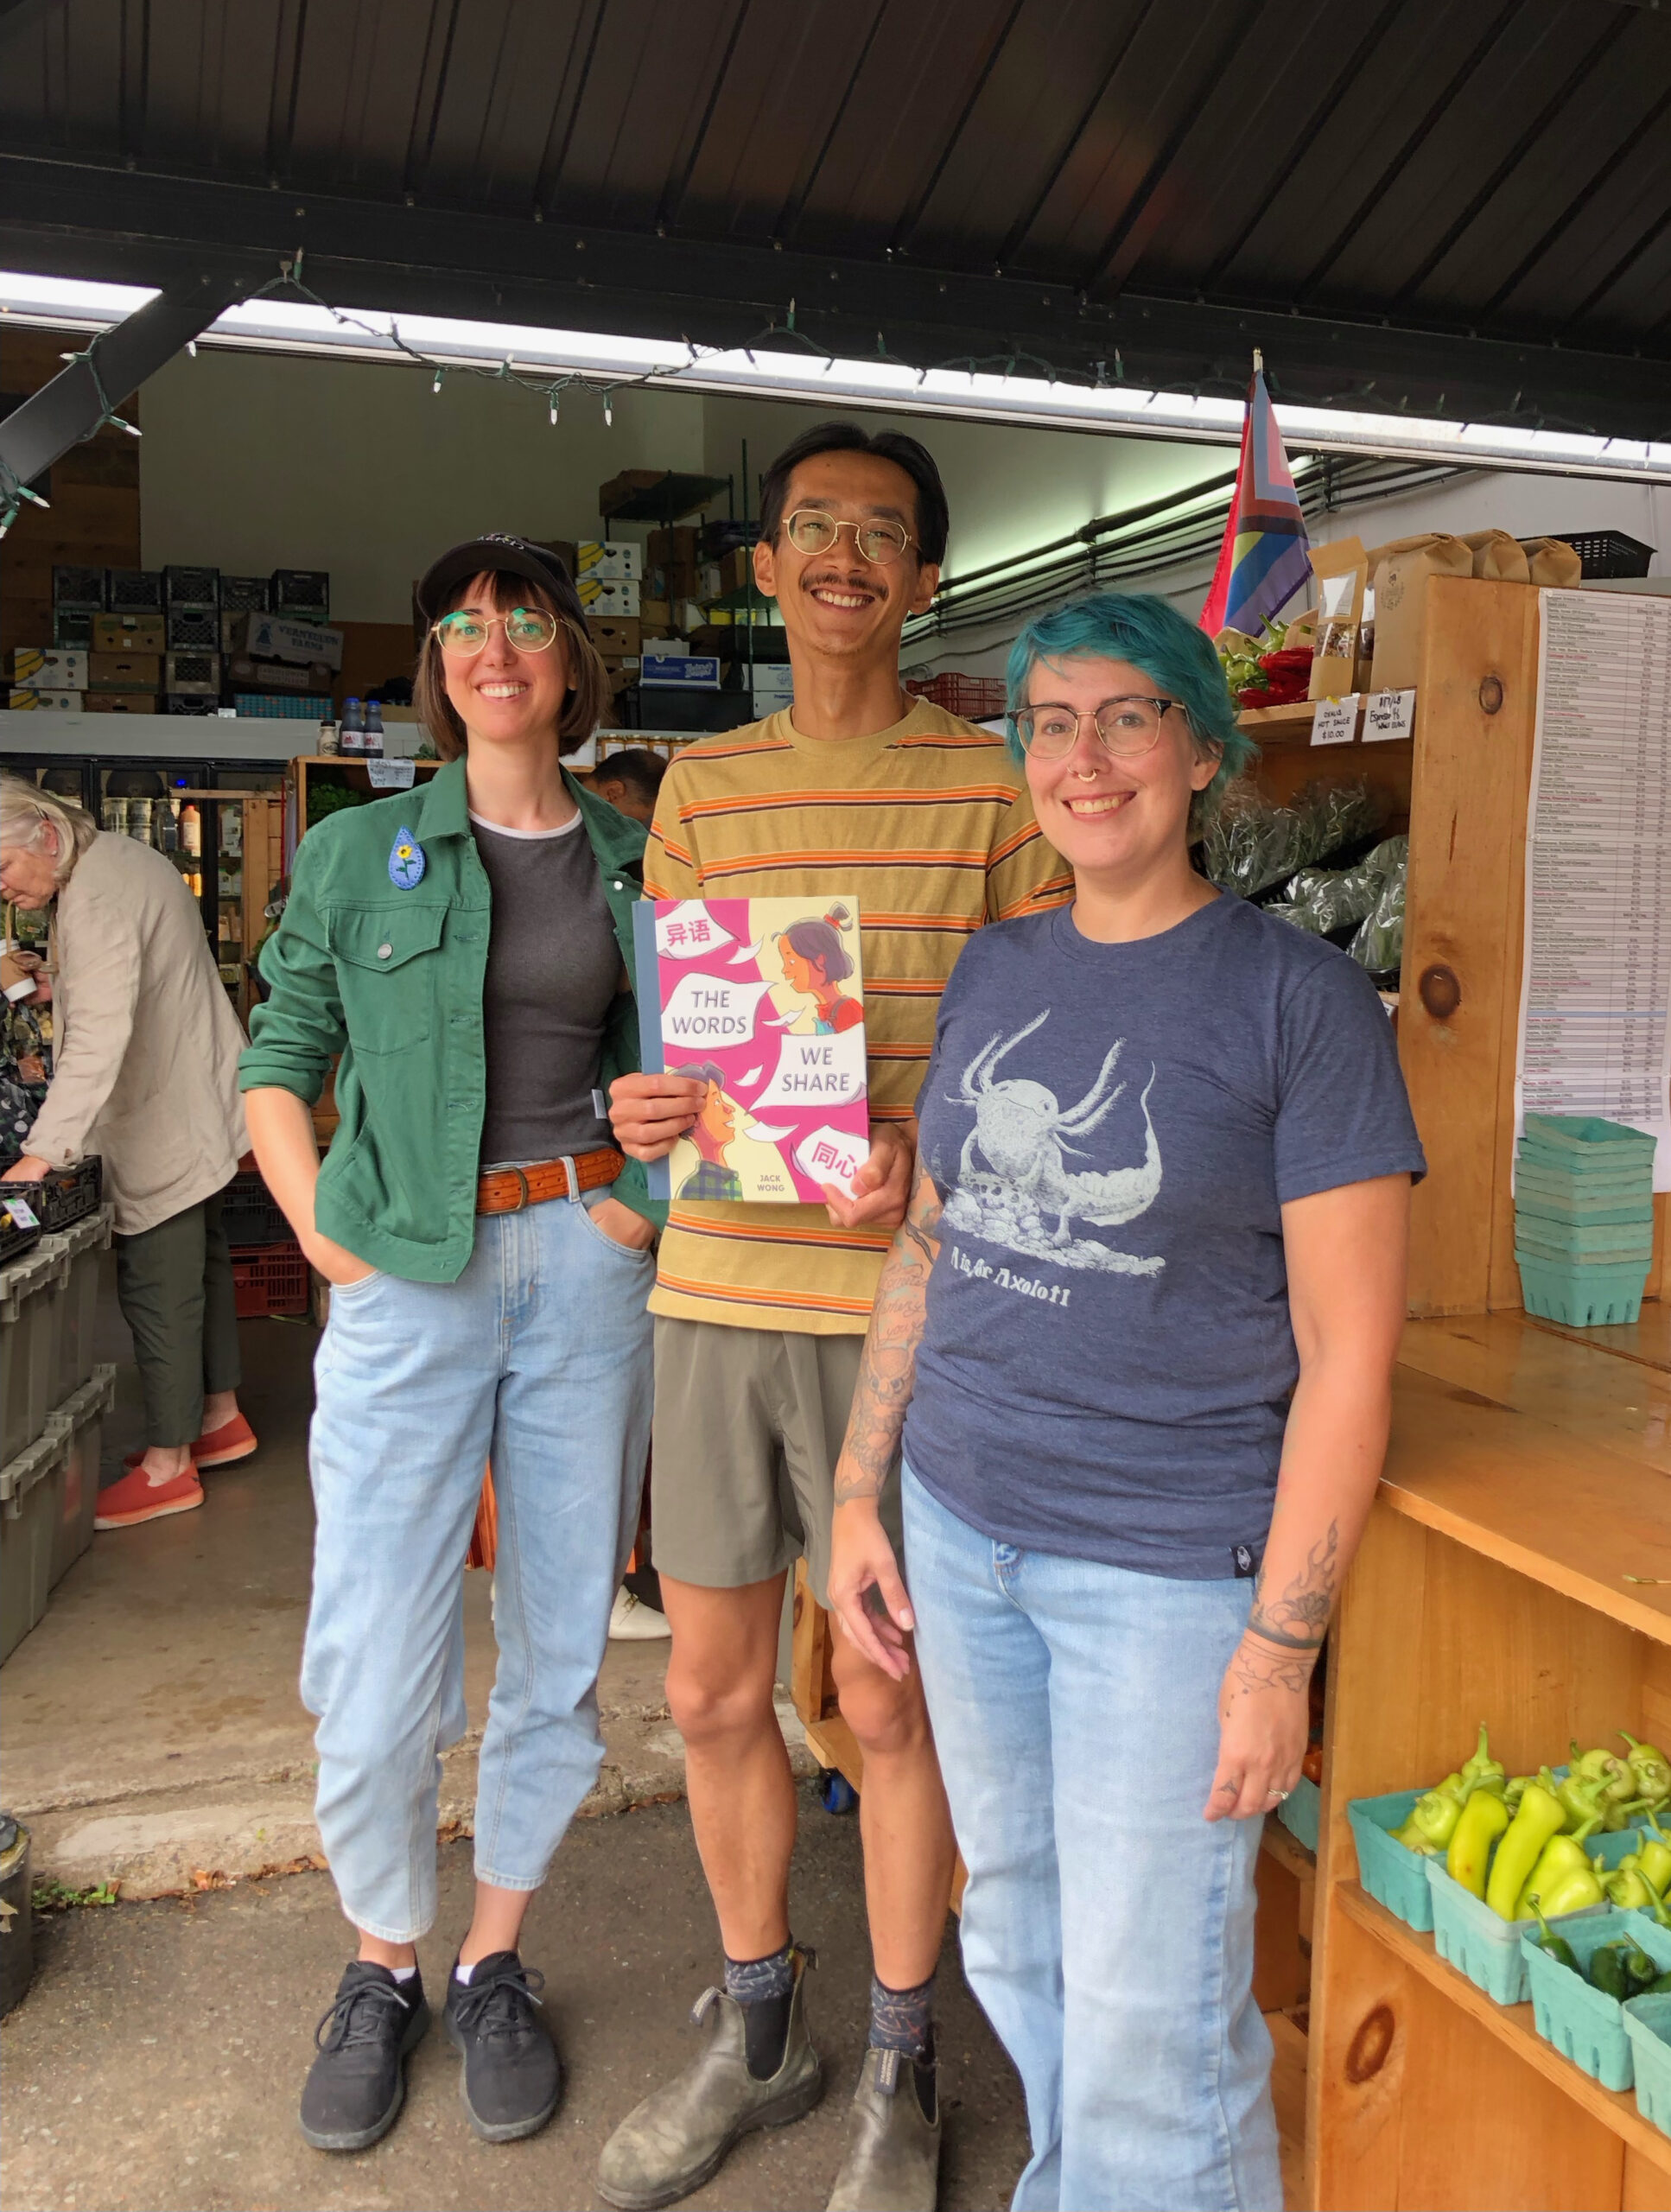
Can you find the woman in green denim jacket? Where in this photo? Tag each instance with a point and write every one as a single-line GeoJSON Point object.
{"type": "Point", "coordinates": [467, 948]}
{"type": "Point", "coordinates": [392, 980]}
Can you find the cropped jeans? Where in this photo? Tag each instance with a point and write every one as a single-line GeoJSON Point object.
{"type": "Point", "coordinates": [1108, 1929]}
{"type": "Point", "coordinates": [539, 1358]}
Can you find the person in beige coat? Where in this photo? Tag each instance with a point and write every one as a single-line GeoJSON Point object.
{"type": "Point", "coordinates": [145, 1074]}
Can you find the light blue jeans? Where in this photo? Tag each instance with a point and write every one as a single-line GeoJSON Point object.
{"type": "Point", "coordinates": [539, 1358]}
{"type": "Point", "coordinates": [1108, 1929]}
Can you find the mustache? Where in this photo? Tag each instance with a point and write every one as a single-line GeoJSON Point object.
{"type": "Point", "coordinates": [843, 583]}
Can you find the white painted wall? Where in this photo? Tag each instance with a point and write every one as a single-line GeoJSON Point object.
{"type": "Point", "coordinates": [1007, 488]}
{"type": "Point", "coordinates": [251, 462]}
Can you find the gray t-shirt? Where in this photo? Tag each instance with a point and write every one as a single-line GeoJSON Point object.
{"type": "Point", "coordinates": [1114, 1130]}
{"type": "Point", "coordinates": [553, 970]}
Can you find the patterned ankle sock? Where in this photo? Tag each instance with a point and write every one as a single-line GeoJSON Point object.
{"type": "Point", "coordinates": [765, 1989]}
{"type": "Point", "coordinates": [903, 2019]}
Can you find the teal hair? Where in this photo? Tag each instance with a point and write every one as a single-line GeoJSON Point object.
{"type": "Point", "coordinates": [1176, 656]}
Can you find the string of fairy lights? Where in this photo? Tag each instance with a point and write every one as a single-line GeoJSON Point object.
{"type": "Point", "coordinates": [549, 389]}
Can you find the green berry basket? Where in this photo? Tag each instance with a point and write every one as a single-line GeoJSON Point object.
{"type": "Point", "coordinates": [1582, 1297]}
{"type": "Point", "coordinates": [1583, 2022]}
{"type": "Point", "coordinates": [1481, 1943]}
{"type": "Point", "coordinates": [1647, 2025]}
{"type": "Point", "coordinates": [1393, 1876]}
{"type": "Point", "coordinates": [1299, 1812]}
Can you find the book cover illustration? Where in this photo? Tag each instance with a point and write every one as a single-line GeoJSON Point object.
{"type": "Point", "coordinates": [763, 1000]}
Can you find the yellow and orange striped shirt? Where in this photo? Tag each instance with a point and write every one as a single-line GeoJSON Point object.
{"type": "Point", "coordinates": [929, 824]}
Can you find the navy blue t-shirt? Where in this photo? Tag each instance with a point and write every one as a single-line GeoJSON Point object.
{"type": "Point", "coordinates": [1113, 1129]}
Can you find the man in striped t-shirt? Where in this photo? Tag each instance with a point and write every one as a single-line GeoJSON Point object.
{"type": "Point", "coordinates": [855, 790]}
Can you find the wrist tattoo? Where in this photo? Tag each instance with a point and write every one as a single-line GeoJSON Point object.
{"type": "Point", "coordinates": [1284, 1643]}
{"type": "Point", "coordinates": [1298, 1619]}
{"type": "Point", "coordinates": [1251, 1672]}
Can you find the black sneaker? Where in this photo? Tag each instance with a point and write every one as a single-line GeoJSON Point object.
{"type": "Point", "coordinates": [356, 2086]}
{"type": "Point", "coordinates": [511, 2077]}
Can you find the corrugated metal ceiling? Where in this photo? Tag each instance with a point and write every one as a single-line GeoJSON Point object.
{"type": "Point", "coordinates": [1407, 203]}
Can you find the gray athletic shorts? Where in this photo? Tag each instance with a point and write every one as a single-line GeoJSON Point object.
{"type": "Point", "coordinates": [749, 1424]}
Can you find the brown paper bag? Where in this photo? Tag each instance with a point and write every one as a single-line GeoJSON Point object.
{"type": "Point", "coordinates": [1498, 558]}
{"type": "Point", "coordinates": [1401, 602]}
{"type": "Point", "coordinates": [1302, 631]}
{"type": "Point", "coordinates": [1342, 570]}
{"type": "Point", "coordinates": [1363, 668]}
{"type": "Point", "coordinates": [1553, 562]}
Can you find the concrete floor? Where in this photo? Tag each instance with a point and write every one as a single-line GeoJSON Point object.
{"type": "Point", "coordinates": [152, 1730]}
{"type": "Point", "coordinates": [157, 2064]}
{"type": "Point", "coordinates": [152, 1734]}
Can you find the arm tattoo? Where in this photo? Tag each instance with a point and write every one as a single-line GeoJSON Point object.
{"type": "Point", "coordinates": [1299, 1619]}
{"type": "Point", "coordinates": [1254, 1670]}
{"type": "Point", "coordinates": [887, 1372]}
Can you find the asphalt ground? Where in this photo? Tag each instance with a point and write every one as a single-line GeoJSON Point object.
{"type": "Point", "coordinates": [156, 2063]}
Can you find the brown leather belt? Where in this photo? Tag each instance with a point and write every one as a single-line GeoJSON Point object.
{"type": "Point", "coordinates": [510, 1189]}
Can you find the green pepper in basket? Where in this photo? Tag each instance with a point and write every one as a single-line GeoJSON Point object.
{"type": "Point", "coordinates": [1514, 1789]}
{"type": "Point", "coordinates": [1541, 1816]}
{"type": "Point", "coordinates": [1617, 1782]}
{"type": "Point", "coordinates": [1655, 1853]}
{"type": "Point", "coordinates": [1608, 1974]}
{"type": "Point", "coordinates": [1546, 1940]}
{"type": "Point", "coordinates": [1563, 1879]}
{"type": "Point", "coordinates": [1583, 1797]}
{"type": "Point", "coordinates": [1650, 1767]}
{"type": "Point", "coordinates": [1484, 1817]}
{"type": "Point", "coordinates": [1641, 1969]}
{"type": "Point", "coordinates": [1625, 1887]}
{"type": "Point", "coordinates": [1621, 1814]}
{"type": "Point", "coordinates": [1483, 1772]}
{"type": "Point", "coordinates": [1655, 1898]}
{"type": "Point", "coordinates": [1433, 1817]}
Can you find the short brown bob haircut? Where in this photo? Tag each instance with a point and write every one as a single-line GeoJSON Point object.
{"type": "Point", "coordinates": [589, 693]}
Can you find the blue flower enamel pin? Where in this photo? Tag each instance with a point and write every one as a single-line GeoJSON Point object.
{"type": "Point", "coordinates": [406, 860]}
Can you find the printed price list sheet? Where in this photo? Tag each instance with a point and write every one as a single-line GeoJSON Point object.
{"type": "Point", "coordinates": [1595, 1034]}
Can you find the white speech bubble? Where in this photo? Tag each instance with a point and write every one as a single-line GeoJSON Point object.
{"type": "Point", "coordinates": [689, 932]}
{"type": "Point", "coordinates": [764, 1132]}
{"type": "Point", "coordinates": [708, 1012]}
{"type": "Point", "coordinates": [745, 953]}
{"type": "Point", "coordinates": [818, 1071]}
{"type": "Point", "coordinates": [832, 1156]}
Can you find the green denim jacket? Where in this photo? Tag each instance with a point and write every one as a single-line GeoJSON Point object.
{"type": "Point", "coordinates": [392, 980]}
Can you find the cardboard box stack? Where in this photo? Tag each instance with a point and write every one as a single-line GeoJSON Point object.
{"type": "Point", "coordinates": [181, 640]}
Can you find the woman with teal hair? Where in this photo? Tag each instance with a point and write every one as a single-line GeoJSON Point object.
{"type": "Point", "coordinates": [1137, 1333]}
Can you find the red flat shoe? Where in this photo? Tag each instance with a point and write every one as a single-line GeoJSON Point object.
{"type": "Point", "coordinates": [223, 1447]}
{"type": "Point", "coordinates": [125, 1504]}
{"type": "Point", "coordinates": [234, 1440]}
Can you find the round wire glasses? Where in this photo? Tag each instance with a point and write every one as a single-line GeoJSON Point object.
{"type": "Point", "coordinates": [1127, 727]}
{"type": "Point", "coordinates": [810, 530]}
{"type": "Point", "coordinates": [528, 629]}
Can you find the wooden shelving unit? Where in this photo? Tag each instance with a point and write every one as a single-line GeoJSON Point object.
{"type": "Point", "coordinates": [1512, 2026]}
{"type": "Point", "coordinates": [1527, 1480]}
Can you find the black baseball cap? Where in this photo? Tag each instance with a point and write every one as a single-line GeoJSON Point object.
{"type": "Point", "coordinates": [515, 557]}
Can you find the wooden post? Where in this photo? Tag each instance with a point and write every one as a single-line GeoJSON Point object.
{"type": "Point", "coordinates": [1459, 996]}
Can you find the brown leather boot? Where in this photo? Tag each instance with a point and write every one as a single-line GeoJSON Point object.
{"type": "Point", "coordinates": [892, 2162]}
{"type": "Point", "coordinates": [678, 2137]}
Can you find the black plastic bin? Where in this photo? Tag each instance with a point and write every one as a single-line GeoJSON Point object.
{"type": "Point", "coordinates": [15, 1239]}
{"type": "Point", "coordinates": [249, 1213]}
{"type": "Point", "coordinates": [1607, 552]}
{"type": "Point", "coordinates": [63, 1194]}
